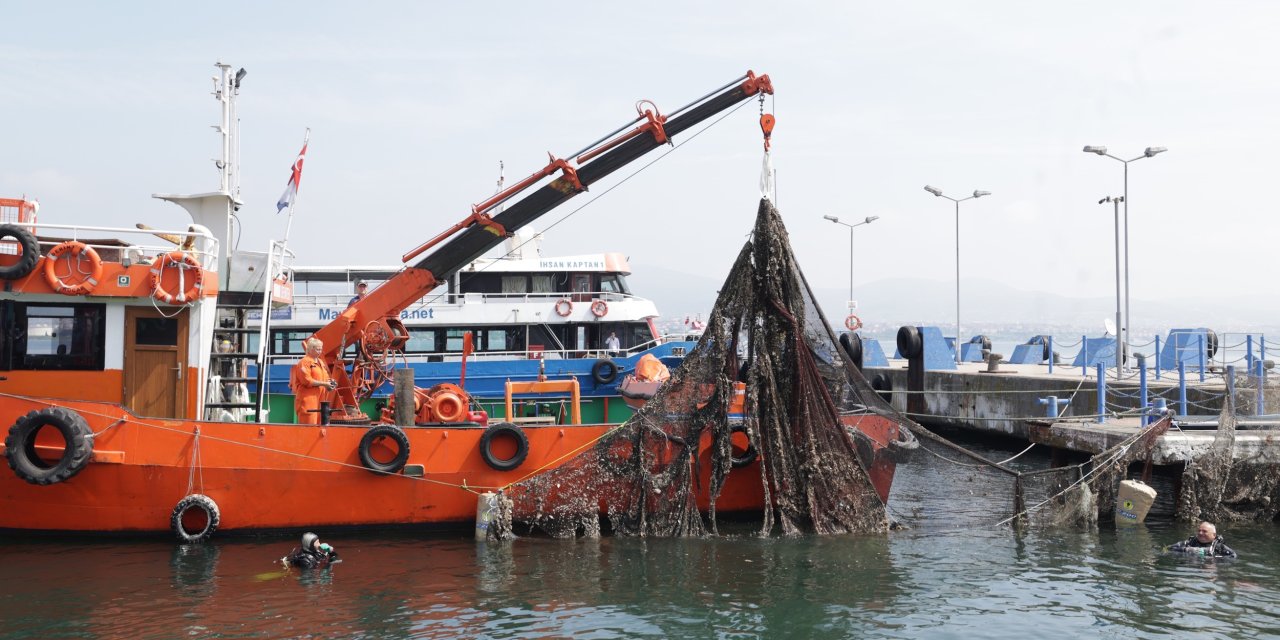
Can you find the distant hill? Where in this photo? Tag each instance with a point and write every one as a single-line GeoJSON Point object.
{"type": "Point", "coordinates": [896, 301]}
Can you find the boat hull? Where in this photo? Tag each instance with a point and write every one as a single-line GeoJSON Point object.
{"type": "Point", "coordinates": [288, 477]}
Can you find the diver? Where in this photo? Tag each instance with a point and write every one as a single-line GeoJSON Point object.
{"type": "Point", "coordinates": [1205, 542]}
{"type": "Point", "coordinates": [311, 554]}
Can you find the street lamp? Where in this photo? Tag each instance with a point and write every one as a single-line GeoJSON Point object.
{"type": "Point", "coordinates": [1149, 152]}
{"type": "Point", "coordinates": [867, 220]}
{"type": "Point", "coordinates": [1119, 345]}
{"type": "Point", "coordinates": [976, 194]}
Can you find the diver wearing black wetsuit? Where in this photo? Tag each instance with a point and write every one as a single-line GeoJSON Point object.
{"type": "Point", "coordinates": [1205, 542]}
{"type": "Point", "coordinates": [311, 554]}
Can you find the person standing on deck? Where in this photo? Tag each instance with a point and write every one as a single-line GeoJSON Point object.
{"type": "Point", "coordinates": [612, 344]}
{"type": "Point", "coordinates": [362, 287]}
{"type": "Point", "coordinates": [310, 382]}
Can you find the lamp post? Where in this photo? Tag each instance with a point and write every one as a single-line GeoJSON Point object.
{"type": "Point", "coordinates": [1116, 203]}
{"type": "Point", "coordinates": [976, 194]}
{"type": "Point", "coordinates": [1149, 152]}
{"type": "Point", "coordinates": [867, 220]}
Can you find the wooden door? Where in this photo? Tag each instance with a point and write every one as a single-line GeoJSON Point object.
{"type": "Point", "coordinates": [155, 363]}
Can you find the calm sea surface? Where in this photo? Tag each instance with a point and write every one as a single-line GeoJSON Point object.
{"type": "Point", "coordinates": [952, 574]}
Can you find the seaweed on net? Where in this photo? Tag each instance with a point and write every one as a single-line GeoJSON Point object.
{"type": "Point", "coordinates": [662, 470]}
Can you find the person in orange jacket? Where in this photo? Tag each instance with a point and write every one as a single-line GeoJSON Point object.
{"type": "Point", "coordinates": [310, 382]}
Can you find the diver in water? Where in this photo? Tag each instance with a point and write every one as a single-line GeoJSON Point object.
{"type": "Point", "coordinates": [1205, 542]}
{"type": "Point", "coordinates": [311, 554]}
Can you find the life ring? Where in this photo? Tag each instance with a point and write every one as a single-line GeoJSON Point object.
{"type": "Point", "coordinates": [504, 430]}
{"type": "Point", "coordinates": [599, 308]}
{"type": "Point", "coordinates": [852, 322]}
{"type": "Point", "coordinates": [184, 262]}
{"type": "Point", "coordinates": [30, 252]}
{"type": "Point", "coordinates": [379, 432]}
{"type": "Point", "coordinates": [564, 307]}
{"type": "Point", "coordinates": [76, 250]}
{"type": "Point", "coordinates": [604, 371]}
{"type": "Point", "coordinates": [748, 455]}
{"type": "Point", "coordinates": [20, 445]}
{"type": "Point", "coordinates": [200, 506]}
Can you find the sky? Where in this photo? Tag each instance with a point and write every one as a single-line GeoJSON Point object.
{"type": "Point", "coordinates": [412, 105]}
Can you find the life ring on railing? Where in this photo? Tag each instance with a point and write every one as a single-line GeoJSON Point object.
{"type": "Point", "coordinates": [195, 518]}
{"type": "Point", "coordinates": [604, 371]}
{"type": "Point", "coordinates": [30, 252]}
{"type": "Point", "coordinates": [508, 431]}
{"type": "Point", "coordinates": [20, 445]}
{"type": "Point", "coordinates": [564, 307]}
{"type": "Point", "coordinates": [852, 322]}
{"type": "Point", "coordinates": [599, 308]}
{"type": "Point", "coordinates": [378, 432]}
{"type": "Point", "coordinates": [184, 262]}
{"type": "Point", "coordinates": [75, 250]}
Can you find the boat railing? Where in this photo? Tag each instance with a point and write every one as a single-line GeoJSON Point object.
{"type": "Point", "coordinates": [129, 249]}
{"type": "Point", "coordinates": [457, 300]}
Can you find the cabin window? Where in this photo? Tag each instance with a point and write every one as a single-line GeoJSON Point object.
{"type": "Point", "coordinates": [162, 332]}
{"type": "Point", "coordinates": [543, 283]}
{"type": "Point", "coordinates": [501, 340]}
{"type": "Point", "coordinates": [611, 284]}
{"type": "Point", "coordinates": [514, 284]}
{"type": "Point", "coordinates": [53, 336]}
{"type": "Point", "coordinates": [453, 340]}
{"type": "Point", "coordinates": [421, 341]}
{"type": "Point", "coordinates": [285, 343]}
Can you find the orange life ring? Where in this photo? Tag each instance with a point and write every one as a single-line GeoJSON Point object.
{"type": "Point", "coordinates": [564, 307]}
{"type": "Point", "coordinates": [852, 323]}
{"type": "Point", "coordinates": [75, 251]}
{"type": "Point", "coordinates": [184, 262]}
{"type": "Point", "coordinates": [599, 308]}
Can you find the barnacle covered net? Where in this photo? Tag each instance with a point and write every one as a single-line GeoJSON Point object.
{"type": "Point", "coordinates": [767, 415]}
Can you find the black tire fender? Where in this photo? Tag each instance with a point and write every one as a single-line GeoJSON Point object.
{"type": "Point", "coordinates": [20, 445]}
{"type": "Point", "coordinates": [30, 252]}
{"type": "Point", "coordinates": [747, 456]}
{"type": "Point", "coordinates": [883, 386]}
{"type": "Point", "coordinates": [213, 517]}
{"type": "Point", "coordinates": [852, 344]}
{"type": "Point", "coordinates": [376, 433]}
{"type": "Point", "coordinates": [504, 429]}
{"type": "Point", "coordinates": [604, 371]}
{"type": "Point", "coordinates": [909, 341]}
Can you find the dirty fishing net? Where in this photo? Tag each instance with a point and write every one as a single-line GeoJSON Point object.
{"type": "Point", "coordinates": [1227, 484]}
{"type": "Point", "coordinates": [799, 448]}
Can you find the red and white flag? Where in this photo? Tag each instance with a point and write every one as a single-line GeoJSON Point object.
{"type": "Point", "coordinates": [295, 178]}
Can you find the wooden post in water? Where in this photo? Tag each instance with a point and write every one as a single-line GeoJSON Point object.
{"type": "Point", "coordinates": [402, 382]}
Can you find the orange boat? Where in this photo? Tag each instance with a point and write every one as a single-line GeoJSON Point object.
{"type": "Point", "coordinates": [123, 372]}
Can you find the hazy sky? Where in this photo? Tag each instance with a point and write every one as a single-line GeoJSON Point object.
{"type": "Point", "coordinates": [412, 105]}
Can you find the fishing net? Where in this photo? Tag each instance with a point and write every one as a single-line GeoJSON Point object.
{"type": "Point", "coordinates": [1225, 484]}
{"type": "Point", "coordinates": [766, 415]}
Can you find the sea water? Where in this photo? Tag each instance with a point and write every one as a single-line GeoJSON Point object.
{"type": "Point", "coordinates": [951, 573]}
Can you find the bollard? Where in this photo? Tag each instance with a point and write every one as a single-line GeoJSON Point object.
{"type": "Point", "coordinates": [1102, 394]}
{"type": "Point", "coordinates": [1049, 340]}
{"type": "Point", "coordinates": [1182, 388]}
{"type": "Point", "coordinates": [1051, 405]}
{"type": "Point", "coordinates": [1157, 357]}
{"type": "Point", "coordinates": [1160, 406]}
{"type": "Point", "coordinates": [1142, 388]}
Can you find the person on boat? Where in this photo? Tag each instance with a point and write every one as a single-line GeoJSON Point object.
{"type": "Point", "coordinates": [612, 344]}
{"type": "Point", "coordinates": [362, 287]}
{"type": "Point", "coordinates": [1205, 542]}
{"type": "Point", "coordinates": [310, 382]}
{"type": "Point", "coordinates": [311, 554]}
